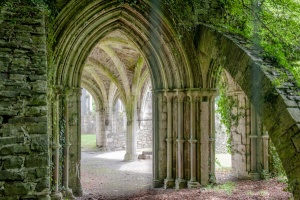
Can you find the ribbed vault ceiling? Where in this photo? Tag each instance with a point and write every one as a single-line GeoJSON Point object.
{"type": "Point", "coordinates": [115, 62]}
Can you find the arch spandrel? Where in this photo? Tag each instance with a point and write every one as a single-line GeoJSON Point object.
{"type": "Point", "coordinates": [277, 107]}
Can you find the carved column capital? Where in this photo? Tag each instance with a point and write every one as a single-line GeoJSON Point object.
{"type": "Point", "coordinates": [194, 95]}
{"type": "Point", "coordinates": [180, 95]}
{"type": "Point", "coordinates": [169, 95]}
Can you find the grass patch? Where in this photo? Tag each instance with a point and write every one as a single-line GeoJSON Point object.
{"type": "Point", "coordinates": [226, 187]}
{"type": "Point", "coordinates": [88, 141]}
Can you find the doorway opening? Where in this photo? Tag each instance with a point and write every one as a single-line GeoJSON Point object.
{"type": "Point", "coordinates": [116, 74]}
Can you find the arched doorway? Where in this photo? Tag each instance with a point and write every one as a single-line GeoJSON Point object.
{"type": "Point", "coordinates": [92, 28]}
{"type": "Point", "coordinates": [183, 88]}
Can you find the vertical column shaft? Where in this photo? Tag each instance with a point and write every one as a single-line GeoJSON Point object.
{"type": "Point", "coordinates": [265, 151]}
{"type": "Point", "coordinates": [56, 144]}
{"type": "Point", "coordinates": [67, 148]}
{"type": "Point", "coordinates": [212, 138]}
{"type": "Point", "coordinates": [253, 138]}
{"type": "Point", "coordinates": [193, 183]}
{"type": "Point", "coordinates": [101, 128]}
{"type": "Point", "coordinates": [155, 136]}
{"type": "Point", "coordinates": [180, 182]}
{"type": "Point", "coordinates": [169, 181]}
{"type": "Point", "coordinates": [98, 128]}
{"type": "Point", "coordinates": [131, 138]}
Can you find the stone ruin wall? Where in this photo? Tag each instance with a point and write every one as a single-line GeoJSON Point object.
{"type": "Point", "coordinates": [24, 146]}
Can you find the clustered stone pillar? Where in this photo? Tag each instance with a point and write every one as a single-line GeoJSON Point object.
{"type": "Point", "coordinates": [56, 194]}
{"type": "Point", "coordinates": [74, 137]}
{"type": "Point", "coordinates": [180, 181]}
{"type": "Point", "coordinates": [67, 145]}
{"type": "Point", "coordinates": [158, 155]}
{"type": "Point", "coordinates": [169, 181]}
{"type": "Point", "coordinates": [193, 183]}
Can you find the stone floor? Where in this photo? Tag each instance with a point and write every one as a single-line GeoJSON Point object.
{"type": "Point", "coordinates": [106, 173]}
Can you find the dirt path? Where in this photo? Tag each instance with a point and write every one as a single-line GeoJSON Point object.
{"type": "Point", "coordinates": [105, 176]}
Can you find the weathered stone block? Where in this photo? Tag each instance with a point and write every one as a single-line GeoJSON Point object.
{"type": "Point", "coordinates": [39, 86]}
{"type": "Point", "coordinates": [9, 130]}
{"type": "Point", "coordinates": [21, 149]}
{"type": "Point", "coordinates": [10, 197]}
{"type": "Point", "coordinates": [42, 185]}
{"type": "Point", "coordinates": [6, 175]}
{"type": "Point", "coordinates": [296, 141]}
{"type": "Point", "coordinates": [9, 94]}
{"type": "Point", "coordinates": [38, 128]}
{"type": "Point", "coordinates": [295, 113]}
{"type": "Point", "coordinates": [11, 140]}
{"type": "Point", "coordinates": [12, 163]}
{"type": "Point", "coordinates": [36, 101]}
{"type": "Point", "coordinates": [31, 174]}
{"type": "Point", "coordinates": [16, 188]}
{"type": "Point", "coordinates": [27, 119]}
{"type": "Point", "coordinates": [39, 143]}
{"type": "Point", "coordinates": [37, 161]}
{"type": "Point", "coordinates": [42, 172]}
{"type": "Point", "coordinates": [8, 150]}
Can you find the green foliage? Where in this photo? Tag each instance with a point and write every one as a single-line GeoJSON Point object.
{"type": "Point", "coordinates": [225, 107]}
{"type": "Point", "coordinates": [275, 167]}
{"type": "Point", "coordinates": [272, 25]}
{"type": "Point", "coordinates": [88, 141]}
{"type": "Point", "coordinates": [184, 14]}
{"type": "Point", "coordinates": [227, 187]}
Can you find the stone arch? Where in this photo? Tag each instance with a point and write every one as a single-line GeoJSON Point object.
{"type": "Point", "coordinates": [277, 108]}
{"type": "Point", "coordinates": [82, 24]}
{"type": "Point", "coordinates": [79, 27]}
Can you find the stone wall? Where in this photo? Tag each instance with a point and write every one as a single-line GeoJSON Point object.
{"type": "Point", "coordinates": [144, 131]}
{"type": "Point", "coordinates": [24, 148]}
{"type": "Point", "coordinates": [88, 116]}
{"type": "Point", "coordinates": [116, 132]}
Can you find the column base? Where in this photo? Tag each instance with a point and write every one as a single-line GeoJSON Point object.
{"type": "Point", "coordinates": [156, 184]}
{"type": "Point", "coordinates": [78, 192]}
{"type": "Point", "coordinates": [255, 176]}
{"type": "Point", "coordinates": [56, 196]}
{"type": "Point", "coordinates": [130, 157]}
{"type": "Point", "coordinates": [180, 183]}
{"type": "Point", "coordinates": [69, 194]}
{"type": "Point", "coordinates": [169, 183]}
{"type": "Point", "coordinates": [193, 184]}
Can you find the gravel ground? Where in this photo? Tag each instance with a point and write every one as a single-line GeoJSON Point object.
{"type": "Point", "coordinates": [104, 175]}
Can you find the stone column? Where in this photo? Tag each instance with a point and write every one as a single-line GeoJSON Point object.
{"type": "Point", "coordinates": [74, 121]}
{"type": "Point", "coordinates": [157, 111]}
{"type": "Point", "coordinates": [56, 194]}
{"type": "Point", "coordinates": [204, 146]}
{"type": "Point", "coordinates": [131, 138]}
{"type": "Point", "coordinates": [67, 145]}
{"type": "Point", "coordinates": [212, 159]}
{"type": "Point", "coordinates": [180, 182]}
{"type": "Point", "coordinates": [98, 128]}
{"type": "Point", "coordinates": [101, 128]}
{"type": "Point", "coordinates": [265, 138]}
{"type": "Point", "coordinates": [193, 183]}
{"type": "Point", "coordinates": [253, 142]}
{"type": "Point", "coordinates": [169, 181]}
